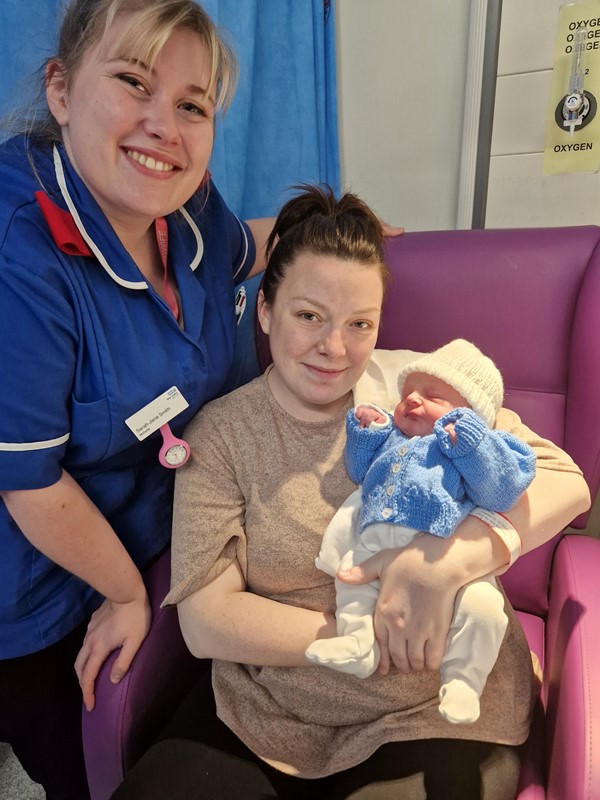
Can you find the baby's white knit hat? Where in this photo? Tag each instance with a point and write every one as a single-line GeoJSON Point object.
{"type": "Point", "coordinates": [463, 366]}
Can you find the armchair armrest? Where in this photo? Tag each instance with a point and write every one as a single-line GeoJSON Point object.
{"type": "Point", "coordinates": [129, 715]}
{"type": "Point", "coordinates": [571, 685]}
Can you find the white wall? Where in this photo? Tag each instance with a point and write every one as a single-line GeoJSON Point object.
{"type": "Point", "coordinates": [519, 195]}
{"type": "Point", "coordinates": [401, 85]}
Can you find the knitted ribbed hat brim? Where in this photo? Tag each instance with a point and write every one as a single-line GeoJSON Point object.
{"type": "Point", "coordinates": [463, 366]}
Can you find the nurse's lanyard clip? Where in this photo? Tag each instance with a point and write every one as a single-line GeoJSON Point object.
{"type": "Point", "coordinates": [174, 452]}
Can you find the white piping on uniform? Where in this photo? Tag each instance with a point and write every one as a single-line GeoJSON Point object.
{"type": "Point", "coordinates": [21, 446]}
{"type": "Point", "coordinates": [198, 235]}
{"type": "Point", "coordinates": [245, 250]}
{"type": "Point", "coordinates": [60, 177]}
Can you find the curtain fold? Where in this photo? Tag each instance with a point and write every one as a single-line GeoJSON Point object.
{"type": "Point", "coordinates": [282, 127]}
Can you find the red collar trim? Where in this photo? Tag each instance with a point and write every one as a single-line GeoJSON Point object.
{"type": "Point", "coordinates": [62, 226]}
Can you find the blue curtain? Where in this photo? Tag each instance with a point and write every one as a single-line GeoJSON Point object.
{"type": "Point", "coordinates": [27, 39]}
{"type": "Point", "coordinates": [282, 126]}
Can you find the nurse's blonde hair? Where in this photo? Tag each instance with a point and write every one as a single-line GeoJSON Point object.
{"type": "Point", "coordinates": [146, 27]}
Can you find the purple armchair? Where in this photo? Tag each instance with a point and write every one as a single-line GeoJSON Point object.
{"type": "Point", "coordinates": [531, 299]}
{"type": "Point", "coordinates": [129, 715]}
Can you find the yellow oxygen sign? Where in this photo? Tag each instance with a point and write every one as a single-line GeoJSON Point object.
{"type": "Point", "coordinates": [573, 125]}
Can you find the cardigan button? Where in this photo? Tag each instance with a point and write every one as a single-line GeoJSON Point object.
{"type": "Point", "coordinates": [387, 513]}
{"type": "Point", "coordinates": [403, 450]}
{"type": "Point", "coordinates": [389, 491]}
{"type": "Point", "coordinates": [395, 468]}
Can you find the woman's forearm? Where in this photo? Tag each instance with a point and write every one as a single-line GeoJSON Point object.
{"type": "Point", "coordinates": [223, 621]}
{"type": "Point", "coordinates": [63, 524]}
{"type": "Point", "coordinates": [550, 503]}
{"type": "Point", "coordinates": [557, 495]}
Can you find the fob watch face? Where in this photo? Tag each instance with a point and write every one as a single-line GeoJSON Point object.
{"type": "Point", "coordinates": [175, 455]}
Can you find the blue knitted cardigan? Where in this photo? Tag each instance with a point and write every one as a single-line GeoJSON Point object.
{"type": "Point", "coordinates": [429, 483]}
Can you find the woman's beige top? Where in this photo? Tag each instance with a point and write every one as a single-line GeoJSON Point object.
{"type": "Point", "coordinates": [261, 487]}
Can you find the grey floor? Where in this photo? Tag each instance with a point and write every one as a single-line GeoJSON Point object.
{"type": "Point", "coordinates": [14, 782]}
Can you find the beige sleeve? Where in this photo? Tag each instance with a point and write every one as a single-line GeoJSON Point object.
{"type": "Point", "coordinates": [208, 513]}
{"type": "Point", "coordinates": [549, 455]}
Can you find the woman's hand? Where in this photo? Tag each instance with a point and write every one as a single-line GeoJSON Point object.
{"type": "Point", "coordinates": [415, 606]}
{"type": "Point", "coordinates": [112, 626]}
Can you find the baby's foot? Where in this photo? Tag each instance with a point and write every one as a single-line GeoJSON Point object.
{"type": "Point", "coordinates": [458, 702]}
{"type": "Point", "coordinates": [343, 654]}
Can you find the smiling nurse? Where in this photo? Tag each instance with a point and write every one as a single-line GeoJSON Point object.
{"type": "Point", "coordinates": [117, 266]}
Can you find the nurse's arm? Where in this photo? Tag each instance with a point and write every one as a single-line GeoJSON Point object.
{"type": "Point", "coordinates": [222, 620]}
{"type": "Point", "coordinates": [261, 230]}
{"type": "Point", "coordinates": [63, 523]}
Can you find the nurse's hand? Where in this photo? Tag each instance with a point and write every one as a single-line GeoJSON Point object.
{"type": "Point", "coordinates": [112, 626]}
{"type": "Point", "coordinates": [415, 606]}
{"type": "Point", "coordinates": [390, 230]}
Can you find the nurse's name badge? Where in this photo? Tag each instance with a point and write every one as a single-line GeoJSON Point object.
{"type": "Point", "coordinates": [156, 417]}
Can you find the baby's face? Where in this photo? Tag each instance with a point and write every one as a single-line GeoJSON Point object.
{"type": "Point", "coordinates": [424, 400]}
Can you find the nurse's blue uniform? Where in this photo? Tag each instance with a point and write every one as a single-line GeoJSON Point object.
{"type": "Point", "coordinates": [86, 343]}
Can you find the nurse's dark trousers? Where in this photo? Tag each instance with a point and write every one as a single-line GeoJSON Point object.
{"type": "Point", "coordinates": [40, 717]}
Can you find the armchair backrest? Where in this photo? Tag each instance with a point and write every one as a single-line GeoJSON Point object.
{"type": "Point", "coordinates": [529, 298]}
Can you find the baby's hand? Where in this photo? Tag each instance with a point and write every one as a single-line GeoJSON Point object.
{"type": "Point", "coordinates": [366, 415]}
{"type": "Point", "coordinates": [449, 428]}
